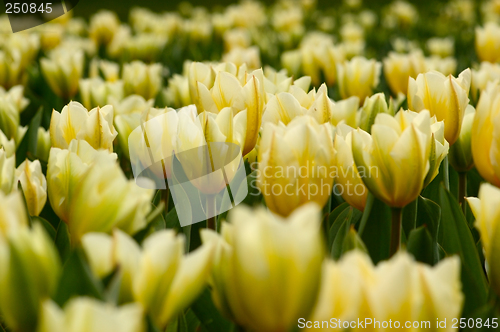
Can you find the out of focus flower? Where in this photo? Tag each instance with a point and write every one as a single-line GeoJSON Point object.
{"type": "Point", "coordinates": [34, 185]}
{"type": "Point", "coordinates": [29, 272]}
{"type": "Point", "coordinates": [85, 314]}
{"type": "Point", "coordinates": [400, 14]}
{"type": "Point", "coordinates": [43, 144]}
{"type": "Point", "coordinates": [403, 45]}
{"type": "Point", "coordinates": [11, 69]}
{"type": "Point", "coordinates": [103, 26]}
{"type": "Point", "coordinates": [485, 136]}
{"type": "Point", "coordinates": [75, 122]}
{"type": "Point", "coordinates": [394, 159]}
{"type": "Point", "coordinates": [446, 66]}
{"type": "Point", "coordinates": [443, 47]}
{"type": "Point", "coordinates": [97, 93]}
{"type": "Point", "coordinates": [109, 70]}
{"type": "Point", "coordinates": [247, 14]}
{"type": "Point", "coordinates": [12, 213]}
{"type": "Point", "coordinates": [237, 38]}
{"type": "Point", "coordinates": [461, 152]}
{"type": "Point", "coordinates": [445, 97]}
{"type": "Point", "coordinates": [345, 111]}
{"type": "Point", "coordinates": [488, 42]}
{"type": "Point", "coordinates": [7, 171]}
{"type": "Point", "coordinates": [142, 79]}
{"type": "Point", "coordinates": [239, 56]}
{"type": "Point", "coordinates": [373, 106]}
{"type": "Point", "coordinates": [358, 77]}
{"type": "Point", "coordinates": [62, 70]}
{"type": "Point", "coordinates": [487, 72]}
{"type": "Point", "coordinates": [50, 36]}
{"type": "Point", "coordinates": [145, 47]}
{"type": "Point", "coordinates": [399, 67]}
{"type": "Point", "coordinates": [263, 256]}
{"type": "Point", "coordinates": [9, 118]}
{"type": "Point", "coordinates": [177, 92]}
{"type": "Point", "coordinates": [294, 164]}
{"type": "Point", "coordinates": [8, 145]}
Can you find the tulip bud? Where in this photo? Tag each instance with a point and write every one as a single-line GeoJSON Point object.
{"type": "Point", "coordinates": [9, 118]}
{"type": "Point", "coordinates": [487, 72]}
{"type": "Point", "coordinates": [62, 71]}
{"type": "Point", "coordinates": [43, 144]}
{"type": "Point", "coordinates": [488, 42]}
{"type": "Point", "coordinates": [177, 92]}
{"type": "Point", "coordinates": [394, 160]}
{"type": "Point", "coordinates": [485, 135]}
{"type": "Point", "coordinates": [7, 172]}
{"type": "Point", "coordinates": [16, 96]}
{"type": "Point", "coordinates": [12, 213]}
{"type": "Point", "coordinates": [34, 185]}
{"type": "Point", "coordinates": [103, 26]}
{"type": "Point", "coordinates": [239, 56]}
{"type": "Point", "coordinates": [65, 170]}
{"type": "Point", "coordinates": [446, 66]}
{"type": "Point", "coordinates": [142, 79]}
{"type": "Point", "coordinates": [371, 108]}
{"type": "Point", "coordinates": [398, 67]}
{"type": "Point", "coordinates": [345, 110]}
{"type": "Point", "coordinates": [8, 145]}
{"type": "Point", "coordinates": [261, 256]}
{"type": "Point", "coordinates": [95, 92]}
{"type": "Point", "coordinates": [294, 164]}
{"type": "Point", "coordinates": [85, 314]}
{"type": "Point", "coordinates": [439, 150]}
{"type": "Point", "coordinates": [461, 152]}
{"type": "Point", "coordinates": [444, 97]}
{"type": "Point", "coordinates": [29, 271]}
{"type": "Point", "coordinates": [75, 122]}
{"type": "Point", "coordinates": [358, 77]}
{"type": "Point", "coordinates": [12, 69]}
{"type": "Point", "coordinates": [110, 70]}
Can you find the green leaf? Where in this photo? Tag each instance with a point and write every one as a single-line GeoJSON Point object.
{"type": "Point", "coordinates": [340, 230]}
{"type": "Point", "coordinates": [112, 292]}
{"type": "Point", "coordinates": [377, 233]}
{"type": "Point", "coordinates": [336, 212]}
{"type": "Point", "coordinates": [457, 239]}
{"type": "Point", "coordinates": [421, 245]}
{"type": "Point", "coordinates": [51, 231]}
{"type": "Point", "coordinates": [209, 316]}
{"type": "Point", "coordinates": [27, 147]}
{"type": "Point", "coordinates": [62, 241]}
{"type": "Point", "coordinates": [352, 241]}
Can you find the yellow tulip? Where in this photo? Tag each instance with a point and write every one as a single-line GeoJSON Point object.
{"type": "Point", "coordinates": [34, 185]}
{"type": "Point", "coordinates": [103, 26]}
{"type": "Point", "coordinates": [62, 70]}
{"type": "Point", "coordinates": [394, 160]}
{"type": "Point", "coordinates": [372, 106]}
{"type": "Point", "coordinates": [248, 56]}
{"type": "Point", "coordinates": [8, 145]}
{"type": "Point", "coordinates": [261, 256]}
{"type": "Point", "coordinates": [294, 164]}
{"type": "Point", "coordinates": [85, 314]}
{"type": "Point", "coordinates": [7, 172]}
{"type": "Point", "coordinates": [399, 67]}
{"type": "Point", "coordinates": [142, 79]}
{"type": "Point", "coordinates": [177, 92]}
{"type": "Point", "coordinates": [43, 144]}
{"type": "Point", "coordinates": [12, 213]}
{"type": "Point", "coordinates": [487, 72]}
{"type": "Point", "coordinates": [443, 47]}
{"type": "Point", "coordinates": [29, 272]}
{"type": "Point", "coordinates": [109, 70]}
{"type": "Point", "coordinates": [486, 133]}
{"type": "Point", "coordinates": [446, 66]}
{"type": "Point", "coordinates": [347, 179]}
{"type": "Point", "coordinates": [95, 92]}
{"type": "Point", "coordinates": [358, 77]}
{"type": "Point", "coordinates": [75, 122]}
{"type": "Point", "coordinates": [461, 152]}
{"type": "Point", "coordinates": [444, 97]}
{"type": "Point", "coordinates": [9, 118]}
{"type": "Point", "coordinates": [488, 42]}
{"type": "Point", "coordinates": [279, 81]}
{"type": "Point", "coordinates": [346, 111]}
{"type": "Point", "coordinates": [487, 213]}
{"type": "Point", "coordinates": [439, 149]}
{"type": "Point", "coordinates": [12, 69]}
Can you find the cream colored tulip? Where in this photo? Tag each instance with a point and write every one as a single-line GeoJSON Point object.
{"type": "Point", "coordinates": [399, 67]}
{"type": "Point", "coordinates": [358, 77]}
{"type": "Point", "coordinates": [444, 97]}
{"type": "Point", "coordinates": [294, 164]}
{"type": "Point", "coordinates": [62, 70]}
{"type": "Point", "coordinates": [461, 152]}
{"type": "Point", "coordinates": [446, 66]}
{"type": "Point", "coordinates": [486, 133]}
{"type": "Point", "coordinates": [12, 69]}
{"type": "Point", "coordinates": [34, 185]}
{"type": "Point", "coordinates": [9, 118]}
{"type": "Point", "coordinates": [97, 93]}
{"type": "Point", "coordinates": [85, 314]}
{"type": "Point", "coordinates": [142, 79]}
{"type": "Point", "coordinates": [8, 145]}
{"type": "Point", "coordinates": [248, 56]}
{"type": "Point", "coordinates": [488, 42]}
{"type": "Point", "coordinates": [487, 72]}
{"type": "Point", "coordinates": [439, 149]}
{"type": "Point", "coordinates": [65, 170]}
{"type": "Point", "coordinates": [15, 95]}
{"type": "Point", "coordinates": [12, 213]}
{"type": "Point", "coordinates": [261, 256]}
{"type": "Point", "coordinates": [394, 160]}
{"type": "Point", "coordinates": [29, 272]}
{"type": "Point", "coordinates": [103, 26]}
{"type": "Point", "coordinates": [109, 70]}
{"type": "Point", "coordinates": [373, 106]}
{"type": "Point", "coordinates": [7, 172]}
{"type": "Point", "coordinates": [443, 47]}
{"type": "Point", "coordinates": [345, 111]}
{"type": "Point", "coordinates": [177, 92]}
{"type": "Point", "coordinates": [43, 144]}
{"type": "Point", "coordinates": [75, 122]}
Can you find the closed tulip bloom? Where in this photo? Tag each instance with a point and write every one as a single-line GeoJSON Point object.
{"type": "Point", "coordinates": [34, 185]}
{"type": "Point", "coordinates": [488, 42]}
{"type": "Point", "coordinates": [394, 159]}
{"type": "Point", "coordinates": [442, 47]}
{"type": "Point", "coordinates": [439, 149]}
{"type": "Point", "coordinates": [8, 145]}
{"type": "Point", "coordinates": [29, 272]}
{"type": "Point", "coordinates": [103, 26]}
{"type": "Point", "coordinates": [9, 118]}
{"type": "Point", "coordinates": [142, 79]}
{"type": "Point", "coordinates": [43, 144]}
{"type": "Point", "coordinates": [85, 314]}
{"type": "Point", "coordinates": [177, 92]}
{"type": "Point", "coordinates": [346, 111]}
{"type": "Point", "coordinates": [358, 77]}
{"type": "Point", "coordinates": [444, 97]}
{"type": "Point", "coordinates": [12, 212]}
{"type": "Point", "coordinates": [461, 152]}
{"type": "Point", "coordinates": [294, 163]}
{"type": "Point", "coordinates": [261, 256]}
{"type": "Point", "coordinates": [446, 66]}
{"type": "Point", "coordinates": [353, 190]}
{"type": "Point", "coordinates": [487, 214]}
{"type": "Point", "coordinates": [12, 69]}
{"type": "Point", "coordinates": [15, 95]}
{"type": "Point", "coordinates": [65, 170]}
{"type": "Point", "coordinates": [62, 70]}
{"type": "Point", "coordinates": [487, 72]}
{"type": "Point", "coordinates": [75, 122]}
{"type": "Point", "coordinates": [7, 172]}
{"type": "Point", "coordinates": [486, 134]}
{"type": "Point", "coordinates": [399, 67]}
{"type": "Point", "coordinates": [96, 92]}
{"type": "Point", "coordinates": [371, 108]}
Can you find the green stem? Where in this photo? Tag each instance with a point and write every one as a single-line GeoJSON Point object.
{"type": "Point", "coordinates": [165, 196]}
{"type": "Point", "coordinates": [462, 190]}
{"type": "Point", "coordinates": [446, 173]}
{"type": "Point", "coordinates": [397, 214]}
{"type": "Point", "coordinates": [366, 213]}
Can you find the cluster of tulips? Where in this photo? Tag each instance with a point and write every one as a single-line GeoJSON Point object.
{"type": "Point", "coordinates": [373, 175]}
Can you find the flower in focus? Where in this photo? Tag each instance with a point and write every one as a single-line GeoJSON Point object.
{"type": "Point", "coordinates": [488, 42]}
{"type": "Point", "coordinates": [294, 164]}
{"type": "Point", "coordinates": [461, 152]}
{"type": "Point", "coordinates": [142, 79]}
{"type": "Point", "coordinates": [358, 77]}
{"type": "Point", "coordinates": [260, 256]}
{"type": "Point", "coordinates": [75, 122]}
{"type": "Point", "coordinates": [444, 97]}
{"type": "Point", "coordinates": [398, 67]}
{"type": "Point", "coordinates": [34, 185]}
{"type": "Point", "coordinates": [62, 70]}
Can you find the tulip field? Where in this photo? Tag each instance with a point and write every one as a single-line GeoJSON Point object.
{"type": "Point", "coordinates": [258, 167]}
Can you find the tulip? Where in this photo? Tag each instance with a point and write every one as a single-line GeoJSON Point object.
{"type": "Point", "coordinates": [237, 38]}
{"type": "Point", "coordinates": [446, 66]}
{"type": "Point", "coordinates": [371, 108]}
{"type": "Point", "coordinates": [9, 118]}
{"type": "Point", "coordinates": [110, 70]}
{"type": "Point", "coordinates": [8, 145]}
{"type": "Point", "coordinates": [248, 56]}
{"type": "Point", "coordinates": [96, 92]}
{"type": "Point", "coordinates": [398, 67]}
{"type": "Point", "coordinates": [358, 77]}
{"type": "Point", "coordinates": [439, 150]}
{"type": "Point", "coordinates": [65, 170]}
{"type": "Point", "coordinates": [487, 214]}
{"type": "Point", "coordinates": [345, 111]}
{"type": "Point", "coordinates": [445, 97]}
{"type": "Point", "coordinates": [461, 152]}
{"type": "Point", "coordinates": [7, 172]}
{"type": "Point", "coordinates": [443, 47]}
{"type": "Point", "coordinates": [85, 314]}
{"type": "Point", "coordinates": [34, 185]}
{"type": "Point", "coordinates": [485, 134]}
{"type": "Point", "coordinates": [353, 190]}
{"type": "Point", "coordinates": [354, 289]}
{"type": "Point", "coordinates": [279, 81]}
{"type": "Point", "coordinates": [259, 256]}
{"type": "Point", "coordinates": [488, 42]}
{"type": "Point", "coordinates": [43, 144]}
{"type": "Point", "coordinates": [294, 164]}
{"type": "Point", "coordinates": [177, 92]}
{"type": "Point", "coordinates": [487, 72]}
{"type": "Point", "coordinates": [29, 271]}
{"type": "Point", "coordinates": [62, 71]}
{"type": "Point", "coordinates": [12, 213]}
{"type": "Point", "coordinates": [75, 122]}
{"type": "Point", "coordinates": [142, 79]}
{"type": "Point", "coordinates": [15, 95]}
{"type": "Point", "coordinates": [12, 70]}
{"type": "Point", "coordinates": [103, 26]}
